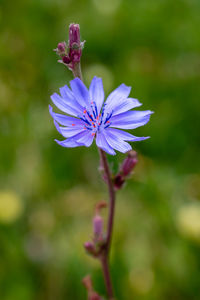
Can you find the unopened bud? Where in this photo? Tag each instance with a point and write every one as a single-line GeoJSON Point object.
{"type": "Point", "coordinates": [125, 170]}
{"type": "Point", "coordinates": [87, 282]}
{"type": "Point", "coordinates": [71, 54]}
{"type": "Point", "coordinates": [74, 43]}
{"type": "Point", "coordinates": [89, 247]}
{"type": "Point", "coordinates": [99, 206]}
{"type": "Point", "coordinates": [74, 35]}
{"type": "Point", "coordinates": [129, 163]}
{"type": "Point", "coordinates": [118, 181]}
{"type": "Point", "coordinates": [97, 226]}
{"type": "Point", "coordinates": [61, 47]}
{"type": "Point", "coordinates": [66, 59]}
{"type": "Point", "coordinates": [92, 295]}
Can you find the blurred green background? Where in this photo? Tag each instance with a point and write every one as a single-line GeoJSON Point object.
{"type": "Point", "coordinates": [48, 193]}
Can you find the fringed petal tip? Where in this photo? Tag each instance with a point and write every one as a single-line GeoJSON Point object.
{"type": "Point", "coordinates": [69, 143]}
{"type": "Point", "coordinates": [108, 150]}
{"type": "Point", "coordinates": [138, 139]}
{"type": "Point", "coordinates": [142, 138]}
{"type": "Point", "coordinates": [58, 142]}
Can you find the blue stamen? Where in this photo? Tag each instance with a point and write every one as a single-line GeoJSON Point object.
{"type": "Point", "coordinates": [94, 114]}
{"type": "Point", "coordinates": [89, 128]}
{"type": "Point", "coordinates": [95, 106]}
{"type": "Point", "coordinates": [85, 120]}
{"type": "Point", "coordinates": [107, 125]}
{"type": "Point", "coordinates": [90, 116]}
{"type": "Point", "coordinates": [108, 117]}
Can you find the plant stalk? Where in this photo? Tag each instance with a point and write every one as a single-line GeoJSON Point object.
{"type": "Point", "coordinates": [104, 257]}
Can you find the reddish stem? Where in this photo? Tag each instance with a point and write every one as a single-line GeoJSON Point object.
{"type": "Point", "coordinates": [104, 257]}
{"type": "Point", "coordinates": [106, 275]}
{"type": "Point", "coordinates": [111, 207]}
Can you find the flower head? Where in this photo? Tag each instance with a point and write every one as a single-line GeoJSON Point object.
{"type": "Point", "coordinates": [88, 117]}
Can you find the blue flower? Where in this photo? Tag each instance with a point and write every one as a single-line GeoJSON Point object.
{"type": "Point", "coordinates": [89, 117]}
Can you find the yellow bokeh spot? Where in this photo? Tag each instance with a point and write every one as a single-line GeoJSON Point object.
{"type": "Point", "coordinates": [11, 207]}
{"type": "Point", "coordinates": [188, 220]}
{"type": "Point", "coordinates": [141, 280]}
{"type": "Point", "coordinates": [107, 7]}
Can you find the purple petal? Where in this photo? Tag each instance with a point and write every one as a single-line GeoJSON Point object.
{"type": "Point", "coordinates": [103, 144]}
{"type": "Point", "coordinates": [125, 105]}
{"type": "Point", "coordinates": [126, 136]}
{"type": "Point", "coordinates": [69, 98]}
{"type": "Point", "coordinates": [68, 143]}
{"type": "Point", "coordinates": [80, 91]}
{"type": "Point", "coordinates": [131, 119]}
{"type": "Point", "coordinates": [122, 92]}
{"type": "Point", "coordinates": [117, 143]}
{"type": "Point", "coordinates": [85, 138]}
{"type": "Point", "coordinates": [66, 93]}
{"type": "Point", "coordinates": [64, 120]}
{"type": "Point", "coordinates": [60, 103]}
{"type": "Point", "coordinates": [96, 92]}
{"type": "Point", "coordinates": [69, 131]}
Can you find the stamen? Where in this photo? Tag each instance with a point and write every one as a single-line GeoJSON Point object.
{"type": "Point", "coordinates": [85, 120]}
{"type": "Point", "coordinates": [94, 113]}
{"type": "Point", "coordinates": [90, 116]}
{"type": "Point", "coordinates": [89, 128]}
{"type": "Point", "coordinates": [108, 117]}
{"type": "Point", "coordinates": [73, 124]}
{"type": "Point", "coordinates": [107, 125]}
{"type": "Point", "coordinates": [95, 106]}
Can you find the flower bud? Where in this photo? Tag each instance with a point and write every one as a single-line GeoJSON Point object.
{"type": "Point", "coordinates": [87, 283]}
{"type": "Point", "coordinates": [97, 226]}
{"type": "Point", "coordinates": [92, 295]}
{"type": "Point", "coordinates": [66, 59]}
{"type": "Point", "coordinates": [74, 35]}
{"type": "Point", "coordinates": [71, 54]}
{"type": "Point", "coordinates": [129, 163]}
{"type": "Point", "coordinates": [89, 247]}
{"type": "Point", "coordinates": [118, 181]}
{"type": "Point", "coordinates": [125, 170]}
{"type": "Point", "coordinates": [74, 43]}
{"type": "Point", "coordinates": [61, 47]}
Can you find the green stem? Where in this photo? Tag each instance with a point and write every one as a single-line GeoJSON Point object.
{"type": "Point", "coordinates": [77, 71]}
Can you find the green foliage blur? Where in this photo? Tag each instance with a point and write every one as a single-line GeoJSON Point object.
{"type": "Point", "coordinates": [48, 193]}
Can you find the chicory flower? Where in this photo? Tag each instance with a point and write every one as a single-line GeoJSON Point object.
{"type": "Point", "coordinates": [88, 117]}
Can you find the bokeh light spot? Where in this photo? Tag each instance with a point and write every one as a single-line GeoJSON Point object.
{"type": "Point", "coordinates": [107, 7]}
{"type": "Point", "coordinates": [188, 221]}
{"type": "Point", "coordinates": [11, 207]}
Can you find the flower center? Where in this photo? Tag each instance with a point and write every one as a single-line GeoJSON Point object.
{"type": "Point", "coordinates": [94, 121]}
